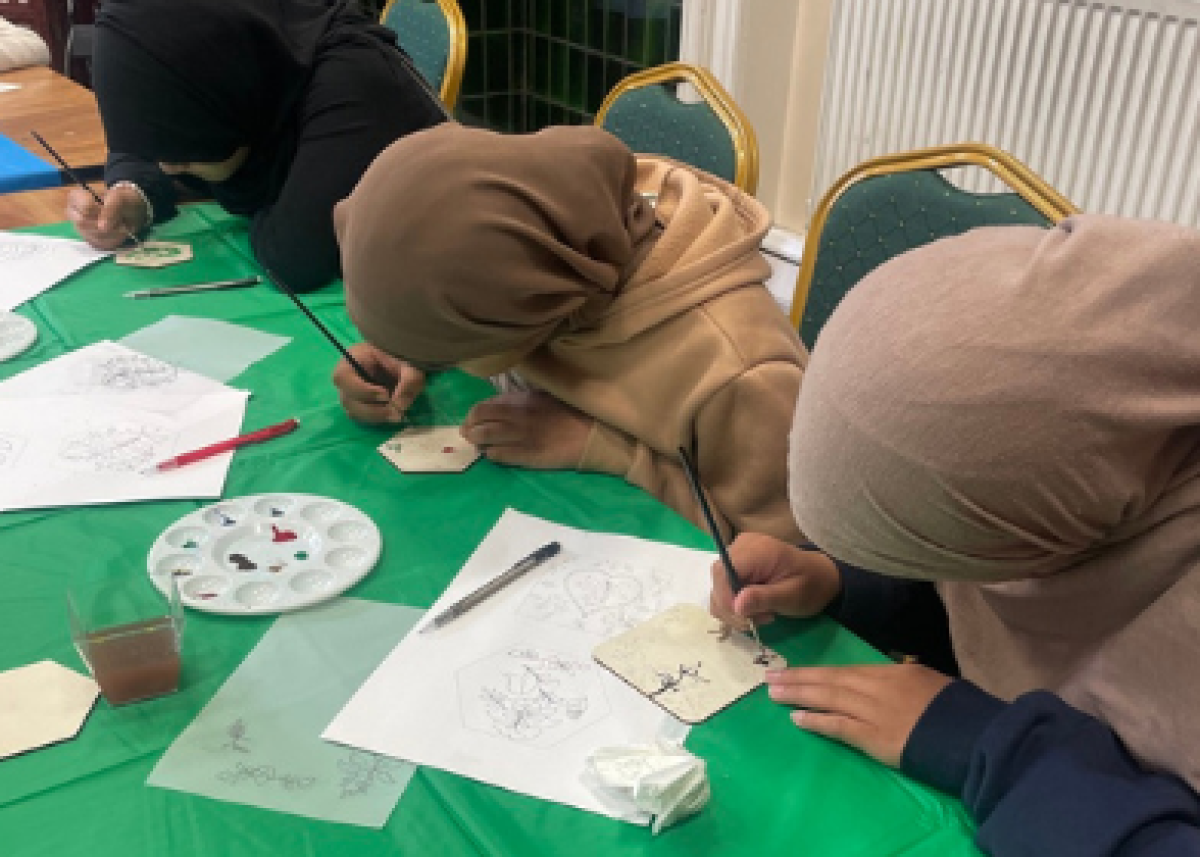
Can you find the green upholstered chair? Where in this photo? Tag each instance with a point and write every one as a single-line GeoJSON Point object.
{"type": "Point", "coordinates": [712, 134]}
{"type": "Point", "coordinates": [891, 204]}
{"type": "Point", "coordinates": [434, 34]}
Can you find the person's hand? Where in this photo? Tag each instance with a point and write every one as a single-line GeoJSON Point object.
{"type": "Point", "coordinates": [528, 429]}
{"type": "Point", "coordinates": [373, 403]}
{"type": "Point", "coordinates": [778, 579]}
{"type": "Point", "coordinates": [108, 227]}
{"type": "Point", "coordinates": [872, 708]}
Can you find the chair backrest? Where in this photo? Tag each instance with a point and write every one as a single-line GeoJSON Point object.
{"type": "Point", "coordinates": [434, 34]}
{"type": "Point", "coordinates": [891, 204]}
{"type": "Point", "coordinates": [712, 134]}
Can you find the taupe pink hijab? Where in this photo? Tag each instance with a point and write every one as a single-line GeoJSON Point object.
{"type": "Point", "coordinates": [1016, 414]}
{"type": "Point", "coordinates": [460, 243]}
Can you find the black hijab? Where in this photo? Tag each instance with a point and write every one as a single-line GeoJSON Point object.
{"type": "Point", "coordinates": [193, 80]}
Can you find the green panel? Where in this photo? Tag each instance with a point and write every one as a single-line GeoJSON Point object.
{"type": "Point", "coordinates": [776, 789]}
{"type": "Point", "coordinates": [881, 217]}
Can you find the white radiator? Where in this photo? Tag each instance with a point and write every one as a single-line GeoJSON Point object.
{"type": "Point", "coordinates": [1102, 99]}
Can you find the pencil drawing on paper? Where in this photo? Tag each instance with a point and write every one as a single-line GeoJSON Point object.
{"type": "Point", "coordinates": [10, 448]}
{"type": "Point", "coordinates": [264, 776]}
{"type": "Point", "coordinates": [14, 251]}
{"type": "Point", "coordinates": [236, 733]}
{"type": "Point", "coordinates": [362, 771]}
{"type": "Point", "coordinates": [128, 372]}
{"type": "Point", "coordinates": [530, 696]}
{"type": "Point", "coordinates": [121, 447]}
{"type": "Point", "coordinates": [598, 596]}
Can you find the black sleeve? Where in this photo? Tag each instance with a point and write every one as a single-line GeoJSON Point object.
{"type": "Point", "coordinates": [1041, 777]}
{"type": "Point", "coordinates": [361, 99]}
{"type": "Point", "coordinates": [895, 615]}
{"type": "Point", "coordinates": [146, 175]}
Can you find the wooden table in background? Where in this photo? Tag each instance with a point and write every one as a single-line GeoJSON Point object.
{"type": "Point", "coordinates": [59, 109]}
{"type": "Point", "coordinates": [33, 207]}
{"type": "Point", "coordinates": [66, 114]}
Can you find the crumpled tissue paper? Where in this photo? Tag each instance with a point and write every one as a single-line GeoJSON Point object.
{"type": "Point", "coordinates": [660, 781]}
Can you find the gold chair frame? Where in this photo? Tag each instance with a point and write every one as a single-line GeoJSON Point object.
{"type": "Point", "coordinates": [456, 55]}
{"type": "Point", "coordinates": [741, 132]}
{"type": "Point", "coordinates": [1016, 175]}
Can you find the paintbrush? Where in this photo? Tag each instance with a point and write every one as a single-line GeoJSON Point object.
{"type": "Point", "coordinates": [75, 178]}
{"type": "Point", "coordinates": [358, 367]}
{"type": "Point", "coordinates": [735, 582]}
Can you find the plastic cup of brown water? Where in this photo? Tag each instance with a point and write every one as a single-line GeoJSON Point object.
{"type": "Point", "coordinates": [129, 636]}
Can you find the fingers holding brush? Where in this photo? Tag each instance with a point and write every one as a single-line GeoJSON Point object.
{"type": "Point", "coordinates": [776, 579]}
{"type": "Point", "coordinates": [106, 222]}
{"type": "Point", "coordinates": [376, 403]}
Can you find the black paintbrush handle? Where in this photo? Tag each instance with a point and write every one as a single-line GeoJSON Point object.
{"type": "Point", "coordinates": [358, 367]}
{"type": "Point", "coordinates": [693, 477]}
{"type": "Point", "coordinates": [66, 168]}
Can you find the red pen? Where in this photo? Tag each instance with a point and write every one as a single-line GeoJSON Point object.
{"type": "Point", "coordinates": [225, 446]}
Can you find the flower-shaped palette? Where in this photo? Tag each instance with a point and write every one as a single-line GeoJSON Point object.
{"type": "Point", "coordinates": [265, 553]}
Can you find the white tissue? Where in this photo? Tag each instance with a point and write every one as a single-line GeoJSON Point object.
{"type": "Point", "coordinates": [661, 780]}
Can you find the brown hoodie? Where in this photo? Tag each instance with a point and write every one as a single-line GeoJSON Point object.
{"type": "Point", "coordinates": [460, 243]}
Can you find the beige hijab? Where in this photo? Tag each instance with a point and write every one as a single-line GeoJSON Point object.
{"type": "Point", "coordinates": [461, 243]}
{"type": "Point", "coordinates": [1015, 413]}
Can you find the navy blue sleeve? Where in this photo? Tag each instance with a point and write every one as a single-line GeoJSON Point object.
{"type": "Point", "coordinates": [895, 615]}
{"type": "Point", "coordinates": [1042, 778]}
{"type": "Point", "coordinates": [146, 175]}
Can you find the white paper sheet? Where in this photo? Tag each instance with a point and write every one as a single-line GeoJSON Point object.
{"type": "Point", "coordinates": [508, 693]}
{"type": "Point", "coordinates": [31, 264]}
{"type": "Point", "coordinates": [80, 429]}
{"type": "Point", "coordinates": [214, 348]}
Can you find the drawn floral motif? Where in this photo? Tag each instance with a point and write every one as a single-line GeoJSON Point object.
{"type": "Point", "coordinates": [12, 251]}
{"type": "Point", "coordinates": [530, 696]}
{"type": "Point", "coordinates": [237, 737]}
{"type": "Point", "coordinates": [132, 372]}
{"type": "Point", "coordinates": [598, 597]}
{"type": "Point", "coordinates": [362, 771]}
{"type": "Point", "coordinates": [263, 776]}
{"type": "Point", "coordinates": [10, 447]}
{"type": "Point", "coordinates": [673, 682]}
{"type": "Point", "coordinates": [116, 448]}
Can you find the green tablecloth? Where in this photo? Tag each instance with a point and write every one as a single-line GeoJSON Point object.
{"type": "Point", "coordinates": [776, 790]}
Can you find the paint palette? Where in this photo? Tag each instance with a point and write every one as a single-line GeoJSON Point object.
{"type": "Point", "coordinates": [17, 333]}
{"type": "Point", "coordinates": [265, 553]}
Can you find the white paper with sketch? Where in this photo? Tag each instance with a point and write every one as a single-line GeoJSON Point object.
{"type": "Point", "coordinates": [81, 428]}
{"type": "Point", "coordinates": [31, 264]}
{"type": "Point", "coordinates": [508, 694]}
